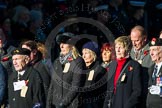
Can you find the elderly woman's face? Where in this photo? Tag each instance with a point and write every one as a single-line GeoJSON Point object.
{"type": "Point", "coordinates": [65, 48]}
{"type": "Point", "coordinates": [87, 56]}
{"type": "Point", "coordinates": [120, 51]}
{"type": "Point", "coordinates": [106, 55]}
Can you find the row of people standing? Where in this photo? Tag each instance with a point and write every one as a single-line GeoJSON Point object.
{"type": "Point", "coordinates": [81, 81]}
{"type": "Point", "coordinates": [119, 81]}
{"type": "Point", "coordinates": [144, 82]}
{"type": "Point", "coordinates": [127, 79]}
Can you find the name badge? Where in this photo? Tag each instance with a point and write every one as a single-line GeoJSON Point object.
{"type": "Point", "coordinates": [140, 61]}
{"type": "Point", "coordinates": [23, 91]}
{"type": "Point", "coordinates": [91, 74]}
{"type": "Point", "coordinates": [66, 68]}
{"type": "Point", "coordinates": [18, 85]}
{"type": "Point", "coordinates": [123, 77]}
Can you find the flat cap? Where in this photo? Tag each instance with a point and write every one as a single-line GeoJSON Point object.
{"type": "Point", "coordinates": [21, 51]}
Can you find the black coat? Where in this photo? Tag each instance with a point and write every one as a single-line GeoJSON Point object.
{"type": "Point", "coordinates": [34, 93]}
{"type": "Point", "coordinates": [94, 89]}
{"type": "Point", "coordinates": [63, 88]}
{"type": "Point", "coordinates": [153, 101]}
{"type": "Point", "coordinates": [44, 74]}
{"type": "Point", "coordinates": [128, 92]}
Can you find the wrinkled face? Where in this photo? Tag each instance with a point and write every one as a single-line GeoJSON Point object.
{"type": "Point", "coordinates": [120, 51]}
{"type": "Point", "coordinates": [87, 56]}
{"type": "Point", "coordinates": [156, 53]}
{"type": "Point", "coordinates": [137, 40]}
{"type": "Point", "coordinates": [106, 56]}
{"type": "Point", "coordinates": [65, 48]}
{"type": "Point", "coordinates": [32, 54]}
{"type": "Point", "coordinates": [20, 62]}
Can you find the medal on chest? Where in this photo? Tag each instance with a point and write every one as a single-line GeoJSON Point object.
{"type": "Point", "coordinates": [159, 81]}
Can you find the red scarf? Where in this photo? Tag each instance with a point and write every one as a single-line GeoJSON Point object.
{"type": "Point", "coordinates": [120, 64]}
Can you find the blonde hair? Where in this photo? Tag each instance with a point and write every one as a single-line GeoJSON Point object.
{"type": "Point", "coordinates": [75, 52]}
{"type": "Point", "coordinates": [125, 42]}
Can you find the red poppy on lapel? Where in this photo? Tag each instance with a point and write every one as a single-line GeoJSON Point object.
{"type": "Point", "coordinates": [145, 52]}
{"type": "Point", "coordinates": [26, 82]}
{"type": "Point", "coordinates": [70, 59]}
{"type": "Point", "coordinates": [130, 68]}
{"type": "Point", "coordinates": [6, 58]}
{"type": "Point", "coordinates": [107, 69]}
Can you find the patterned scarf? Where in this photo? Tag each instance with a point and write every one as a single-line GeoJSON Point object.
{"type": "Point", "coordinates": [64, 58]}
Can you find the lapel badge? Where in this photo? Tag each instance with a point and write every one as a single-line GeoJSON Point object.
{"type": "Point", "coordinates": [130, 68]}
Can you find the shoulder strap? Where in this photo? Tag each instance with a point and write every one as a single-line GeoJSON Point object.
{"type": "Point", "coordinates": [123, 71]}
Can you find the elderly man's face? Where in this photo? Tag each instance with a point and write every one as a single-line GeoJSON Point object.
{"type": "Point", "coordinates": [137, 40]}
{"type": "Point", "coordinates": [20, 62]}
{"type": "Point", "coordinates": [156, 53]}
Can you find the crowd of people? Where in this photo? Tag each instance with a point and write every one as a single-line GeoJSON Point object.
{"type": "Point", "coordinates": [125, 74]}
{"type": "Point", "coordinates": [84, 68]}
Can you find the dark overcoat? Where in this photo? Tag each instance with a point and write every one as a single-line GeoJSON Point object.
{"type": "Point", "coordinates": [34, 93]}
{"type": "Point", "coordinates": [153, 101]}
{"type": "Point", "coordinates": [128, 89]}
{"type": "Point", "coordinates": [94, 89]}
{"type": "Point", "coordinates": [44, 74]}
{"type": "Point", "coordinates": [63, 90]}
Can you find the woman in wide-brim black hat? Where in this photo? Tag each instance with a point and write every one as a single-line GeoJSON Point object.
{"type": "Point", "coordinates": [67, 75]}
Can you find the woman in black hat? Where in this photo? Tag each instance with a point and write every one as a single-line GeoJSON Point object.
{"type": "Point", "coordinates": [67, 76]}
{"type": "Point", "coordinates": [95, 85]}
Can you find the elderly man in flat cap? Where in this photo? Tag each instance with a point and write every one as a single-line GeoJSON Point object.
{"type": "Point", "coordinates": [25, 85]}
{"type": "Point", "coordinates": [154, 98]}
